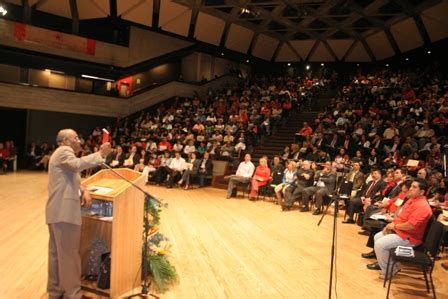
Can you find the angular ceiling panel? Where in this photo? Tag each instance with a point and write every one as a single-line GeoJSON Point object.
{"type": "Point", "coordinates": [138, 11]}
{"type": "Point", "coordinates": [56, 7]}
{"type": "Point", "coordinates": [436, 22]}
{"type": "Point", "coordinates": [303, 47]}
{"type": "Point", "coordinates": [407, 35]}
{"type": "Point", "coordinates": [19, 2]}
{"type": "Point", "coordinates": [358, 54]}
{"type": "Point", "coordinates": [286, 54]}
{"type": "Point", "coordinates": [209, 28]}
{"type": "Point", "coordinates": [92, 9]}
{"type": "Point", "coordinates": [340, 46]}
{"type": "Point", "coordinates": [380, 46]}
{"type": "Point", "coordinates": [174, 17]}
{"type": "Point", "coordinates": [265, 47]}
{"type": "Point", "coordinates": [239, 38]}
{"type": "Point", "coordinates": [16, 2]}
{"type": "Point", "coordinates": [321, 53]}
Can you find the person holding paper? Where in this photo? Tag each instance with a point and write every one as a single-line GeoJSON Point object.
{"type": "Point", "coordinates": [63, 213]}
{"type": "Point", "coordinates": [389, 208]}
{"type": "Point", "coordinates": [407, 229]}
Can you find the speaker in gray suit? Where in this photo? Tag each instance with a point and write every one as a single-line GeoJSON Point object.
{"type": "Point", "coordinates": [63, 213]}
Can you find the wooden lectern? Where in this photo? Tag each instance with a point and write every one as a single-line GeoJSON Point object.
{"type": "Point", "coordinates": [122, 232]}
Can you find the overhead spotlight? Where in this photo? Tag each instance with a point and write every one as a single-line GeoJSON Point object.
{"type": "Point", "coordinates": [429, 52]}
{"type": "Point", "coordinates": [357, 64]}
{"type": "Point", "coordinates": [289, 64]}
{"type": "Point", "coordinates": [322, 64]}
{"type": "Point", "coordinates": [222, 53]}
{"type": "Point", "coordinates": [247, 60]}
{"type": "Point", "coordinates": [3, 10]}
{"type": "Point", "coordinates": [307, 67]}
{"type": "Point", "coordinates": [245, 11]}
{"type": "Point", "coordinates": [387, 64]}
{"type": "Point", "coordinates": [407, 59]}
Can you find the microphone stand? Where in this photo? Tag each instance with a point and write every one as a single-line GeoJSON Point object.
{"type": "Point", "coordinates": [335, 200]}
{"type": "Point", "coordinates": [145, 286]}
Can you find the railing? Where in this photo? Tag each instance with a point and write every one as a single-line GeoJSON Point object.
{"type": "Point", "coordinates": [51, 99]}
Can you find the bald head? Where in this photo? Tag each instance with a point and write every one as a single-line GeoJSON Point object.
{"type": "Point", "coordinates": [64, 134]}
{"type": "Point", "coordinates": [70, 138]}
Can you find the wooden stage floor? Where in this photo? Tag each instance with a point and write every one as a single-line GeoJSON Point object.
{"type": "Point", "coordinates": [221, 248]}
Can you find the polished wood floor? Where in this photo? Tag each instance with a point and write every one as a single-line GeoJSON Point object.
{"type": "Point", "coordinates": [221, 248]}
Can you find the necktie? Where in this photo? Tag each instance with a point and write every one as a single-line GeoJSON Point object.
{"type": "Point", "coordinates": [370, 189]}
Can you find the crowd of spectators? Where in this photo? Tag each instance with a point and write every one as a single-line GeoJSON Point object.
{"type": "Point", "coordinates": [383, 136]}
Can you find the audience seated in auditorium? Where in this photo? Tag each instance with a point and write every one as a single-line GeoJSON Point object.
{"type": "Point", "coordinates": [324, 185]}
{"type": "Point", "coordinates": [243, 175]}
{"type": "Point", "coordinates": [407, 228]}
{"type": "Point", "coordinates": [370, 193]}
{"type": "Point", "coordinates": [260, 178]}
{"type": "Point", "coordinates": [293, 192]}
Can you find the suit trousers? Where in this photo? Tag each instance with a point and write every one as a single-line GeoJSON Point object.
{"type": "Point", "coordinates": [64, 261]}
{"type": "Point", "coordinates": [354, 205]}
{"type": "Point", "coordinates": [292, 193]}
{"type": "Point", "coordinates": [318, 192]}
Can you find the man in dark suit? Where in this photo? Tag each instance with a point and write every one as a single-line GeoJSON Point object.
{"type": "Point", "coordinates": [205, 169]}
{"type": "Point", "coordinates": [116, 159]}
{"type": "Point", "coordinates": [293, 192]}
{"type": "Point", "coordinates": [325, 183]}
{"type": "Point", "coordinates": [63, 213]}
{"type": "Point", "coordinates": [133, 158]}
{"type": "Point", "coordinates": [370, 193]}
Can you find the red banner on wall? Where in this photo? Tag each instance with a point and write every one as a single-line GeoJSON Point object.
{"type": "Point", "coordinates": [53, 39]}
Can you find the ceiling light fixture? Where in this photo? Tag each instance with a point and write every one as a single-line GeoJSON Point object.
{"type": "Point", "coordinates": [429, 52]}
{"type": "Point", "coordinates": [322, 64]}
{"type": "Point", "coordinates": [289, 64]}
{"type": "Point", "coordinates": [3, 10]}
{"type": "Point", "coordinates": [307, 67]}
{"type": "Point", "coordinates": [97, 78]}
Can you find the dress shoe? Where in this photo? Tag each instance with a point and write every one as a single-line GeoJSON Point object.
{"type": "Point", "coordinates": [349, 221]}
{"type": "Point", "coordinates": [316, 212]}
{"type": "Point", "coordinates": [369, 255]}
{"type": "Point", "coordinates": [285, 208]}
{"type": "Point", "coordinates": [364, 233]}
{"type": "Point", "coordinates": [374, 266]}
{"type": "Point", "coordinates": [304, 209]}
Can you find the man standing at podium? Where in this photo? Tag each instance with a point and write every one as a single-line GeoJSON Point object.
{"type": "Point", "coordinates": [63, 213]}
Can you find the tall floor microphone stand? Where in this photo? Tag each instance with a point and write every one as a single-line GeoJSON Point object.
{"type": "Point", "coordinates": [335, 200]}
{"type": "Point", "coordinates": [146, 283]}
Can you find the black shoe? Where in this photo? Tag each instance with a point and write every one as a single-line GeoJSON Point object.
{"type": "Point", "coordinates": [369, 255]}
{"type": "Point", "coordinates": [285, 208]}
{"type": "Point", "coordinates": [364, 233]}
{"type": "Point", "coordinates": [349, 221]}
{"type": "Point", "coordinates": [374, 266]}
{"type": "Point", "coordinates": [304, 209]}
{"type": "Point", "coordinates": [317, 212]}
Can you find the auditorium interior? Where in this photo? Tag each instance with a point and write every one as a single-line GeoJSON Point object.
{"type": "Point", "coordinates": [259, 148]}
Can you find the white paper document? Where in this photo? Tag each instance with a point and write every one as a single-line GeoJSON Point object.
{"type": "Point", "coordinates": [99, 189]}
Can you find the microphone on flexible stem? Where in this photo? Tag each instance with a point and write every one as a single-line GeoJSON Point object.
{"type": "Point", "coordinates": [130, 182]}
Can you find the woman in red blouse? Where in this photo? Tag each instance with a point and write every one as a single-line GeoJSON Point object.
{"type": "Point", "coordinates": [261, 177]}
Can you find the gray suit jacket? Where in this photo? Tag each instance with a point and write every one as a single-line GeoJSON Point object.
{"type": "Point", "coordinates": [64, 181]}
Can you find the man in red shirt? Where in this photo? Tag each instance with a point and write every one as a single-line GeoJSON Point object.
{"type": "Point", "coordinates": [407, 229]}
